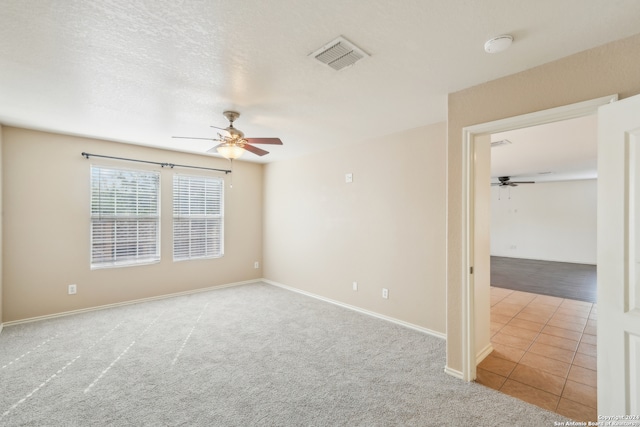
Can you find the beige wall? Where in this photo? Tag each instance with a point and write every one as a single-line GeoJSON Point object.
{"type": "Point", "coordinates": [1, 226]}
{"type": "Point", "coordinates": [553, 221]}
{"type": "Point", "coordinates": [605, 70]}
{"type": "Point", "coordinates": [46, 226]}
{"type": "Point", "coordinates": [384, 230]}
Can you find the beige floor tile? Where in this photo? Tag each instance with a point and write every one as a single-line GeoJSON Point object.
{"type": "Point", "coordinates": [552, 366]}
{"type": "Point", "coordinates": [526, 324]}
{"type": "Point", "coordinates": [507, 352]}
{"type": "Point", "coordinates": [583, 376]}
{"type": "Point", "coordinates": [507, 309]}
{"type": "Point", "coordinates": [581, 393]}
{"type": "Point", "coordinates": [582, 313]}
{"type": "Point", "coordinates": [519, 298]}
{"type": "Point", "coordinates": [530, 394]}
{"type": "Point", "coordinates": [538, 379]}
{"type": "Point", "coordinates": [497, 365]}
{"type": "Point", "coordinates": [585, 361]}
{"type": "Point", "coordinates": [552, 352]}
{"type": "Point", "coordinates": [570, 318]}
{"type": "Point", "coordinates": [577, 327]}
{"type": "Point", "coordinates": [588, 349]}
{"type": "Point", "coordinates": [589, 339]}
{"type": "Point", "coordinates": [500, 318]}
{"type": "Point", "coordinates": [543, 309]}
{"type": "Point", "coordinates": [495, 327]}
{"type": "Point", "coordinates": [562, 333]}
{"type": "Point", "coordinates": [533, 316]}
{"type": "Point", "coordinates": [519, 332]}
{"type": "Point", "coordinates": [548, 300]}
{"type": "Point", "coordinates": [576, 411]}
{"type": "Point", "coordinates": [489, 379]}
{"type": "Point", "coordinates": [563, 343]}
{"type": "Point", "coordinates": [510, 340]}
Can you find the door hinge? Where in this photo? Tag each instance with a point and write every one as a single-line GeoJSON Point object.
{"type": "Point", "coordinates": [471, 270]}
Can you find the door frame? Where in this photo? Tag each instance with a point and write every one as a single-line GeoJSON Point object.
{"type": "Point", "coordinates": [469, 133]}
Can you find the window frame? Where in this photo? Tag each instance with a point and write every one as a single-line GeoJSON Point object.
{"type": "Point", "coordinates": [101, 216]}
{"type": "Point", "coordinates": [206, 249]}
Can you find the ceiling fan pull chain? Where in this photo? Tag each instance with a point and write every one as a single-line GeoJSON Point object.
{"type": "Point", "coordinates": [231, 177]}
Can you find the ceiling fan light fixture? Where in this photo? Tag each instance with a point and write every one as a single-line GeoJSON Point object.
{"type": "Point", "coordinates": [230, 151]}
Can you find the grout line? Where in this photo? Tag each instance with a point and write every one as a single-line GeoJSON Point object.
{"type": "Point", "coordinates": [527, 350]}
{"type": "Point", "coordinates": [533, 341]}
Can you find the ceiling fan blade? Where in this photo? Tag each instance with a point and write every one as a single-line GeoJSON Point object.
{"type": "Point", "coordinates": [273, 141]}
{"type": "Point", "coordinates": [255, 150]}
{"type": "Point", "coordinates": [214, 149]}
{"type": "Point", "coordinates": [522, 182]}
{"type": "Point", "coordinates": [195, 137]}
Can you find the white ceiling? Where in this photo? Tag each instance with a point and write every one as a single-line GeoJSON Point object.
{"type": "Point", "coordinates": [141, 71]}
{"type": "Point", "coordinates": [559, 151]}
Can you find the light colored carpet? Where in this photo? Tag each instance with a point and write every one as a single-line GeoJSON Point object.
{"type": "Point", "coordinates": [252, 355]}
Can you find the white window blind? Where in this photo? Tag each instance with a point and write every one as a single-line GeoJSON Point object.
{"type": "Point", "coordinates": [125, 217]}
{"type": "Point", "coordinates": [198, 217]}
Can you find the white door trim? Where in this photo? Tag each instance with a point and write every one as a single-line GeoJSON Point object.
{"type": "Point", "coordinates": [468, 138]}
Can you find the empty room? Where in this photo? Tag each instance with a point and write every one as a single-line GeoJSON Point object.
{"type": "Point", "coordinates": [268, 213]}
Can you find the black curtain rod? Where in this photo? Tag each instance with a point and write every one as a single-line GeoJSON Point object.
{"type": "Point", "coordinates": [170, 165]}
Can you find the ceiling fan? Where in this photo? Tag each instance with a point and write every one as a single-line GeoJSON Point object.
{"type": "Point", "coordinates": [505, 181]}
{"type": "Point", "coordinates": [233, 143]}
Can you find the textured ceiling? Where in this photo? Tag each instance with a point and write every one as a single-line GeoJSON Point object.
{"type": "Point", "coordinates": [141, 71]}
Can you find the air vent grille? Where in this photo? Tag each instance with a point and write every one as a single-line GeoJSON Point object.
{"type": "Point", "coordinates": [500, 143]}
{"type": "Point", "coordinates": [339, 54]}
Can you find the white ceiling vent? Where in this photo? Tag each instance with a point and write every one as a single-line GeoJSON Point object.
{"type": "Point", "coordinates": [500, 143]}
{"type": "Point", "coordinates": [339, 53]}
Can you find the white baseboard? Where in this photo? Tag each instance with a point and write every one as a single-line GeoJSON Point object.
{"type": "Point", "coordinates": [483, 353]}
{"type": "Point", "coordinates": [453, 372]}
{"type": "Point", "coordinates": [360, 310]}
{"type": "Point", "coordinates": [120, 304]}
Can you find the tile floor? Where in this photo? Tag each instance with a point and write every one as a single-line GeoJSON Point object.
{"type": "Point", "coordinates": [544, 352]}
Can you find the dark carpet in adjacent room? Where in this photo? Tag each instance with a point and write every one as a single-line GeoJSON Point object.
{"type": "Point", "coordinates": [558, 279]}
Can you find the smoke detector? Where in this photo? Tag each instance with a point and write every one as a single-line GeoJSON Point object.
{"type": "Point", "coordinates": [498, 44]}
{"type": "Point", "coordinates": [339, 54]}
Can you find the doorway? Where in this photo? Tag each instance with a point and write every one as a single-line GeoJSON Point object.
{"type": "Point", "coordinates": [472, 284]}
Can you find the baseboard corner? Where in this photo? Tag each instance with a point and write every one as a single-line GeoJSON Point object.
{"type": "Point", "coordinates": [482, 354]}
{"type": "Point", "coordinates": [453, 372]}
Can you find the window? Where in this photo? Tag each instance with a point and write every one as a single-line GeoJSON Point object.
{"type": "Point", "coordinates": [198, 221]}
{"type": "Point", "coordinates": [125, 217]}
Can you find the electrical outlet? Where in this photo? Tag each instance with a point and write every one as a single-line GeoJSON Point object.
{"type": "Point", "coordinates": [73, 289]}
{"type": "Point", "coordinates": [348, 178]}
{"type": "Point", "coordinates": [256, 264]}
{"type": "Point", "coordinates": [355, 286]}
{"type": "Point", "coordinates": [385, 293]}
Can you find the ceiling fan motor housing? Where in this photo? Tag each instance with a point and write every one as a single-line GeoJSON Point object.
{"type": "Point", "coordinates": [232, 116]}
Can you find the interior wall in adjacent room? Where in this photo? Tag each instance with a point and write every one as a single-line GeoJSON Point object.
{"type": "Point", "coordinates": [47, 226]}
{"type": "Point", "coordinates": [386, 229]}
{"type": "Point", "coordinates": [550, 221]}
